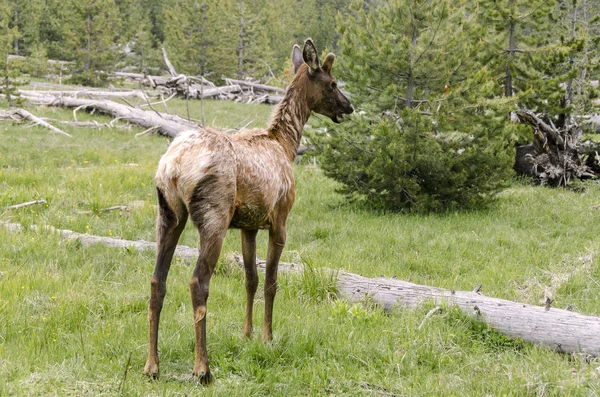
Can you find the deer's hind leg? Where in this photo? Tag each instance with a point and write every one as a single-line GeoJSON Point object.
{"type": "Point", "coordinates": [169, 225]}
{"type": "Point", "coordinates": [211, 208]}
{"type": "Point", "coordinates": [249, 253]}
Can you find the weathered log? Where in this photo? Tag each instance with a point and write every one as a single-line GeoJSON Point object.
{"type": "Point", "coordinates": [562, 330]}
{"type": "Point", "coordinates": [558, 329]}
{"type": "Point", "coordinates": [168, 125]}
{"type": "Point", "coordinates": [256, 86]}
{"type": "Point", "coordinates": [27, 204]}
{"type": "Point", "coordinates": [161, 81]}
{"type": "Point", "coordinates": [197, 92]}
{"type": "Point", "coordinates": [87, 239]}
{"type": "Point", "coordinates": [28, 116]}
{"type": "Point", "coordinates": [89, 93]}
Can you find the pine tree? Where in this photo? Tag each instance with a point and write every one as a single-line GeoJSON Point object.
{"type": "Point", "coordinates": [579, 35]}
{"type": "Point", "coordinates": [199, 38]}
{"type": "Point", "coordinates": [136, 37]}
{"type": "Point", "coordinates": [520, 52]}
{"type": "Point", "coordinates": [429, 134]}
{"type": "Point", "coordinates": [9, 34]}
{"type": "Point", "coordinates": [92, 37]}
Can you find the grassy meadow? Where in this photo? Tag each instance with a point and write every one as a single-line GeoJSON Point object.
{"type": "Point", "coordinates": [73, 318]}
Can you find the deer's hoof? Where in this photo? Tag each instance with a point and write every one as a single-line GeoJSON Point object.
{"type": "Point", "coordinates": [204, 377]}
{"type": "Point", "coordinates": [151, 370]}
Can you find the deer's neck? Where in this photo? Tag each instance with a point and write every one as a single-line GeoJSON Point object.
{"type": "Point", "coordinates": [289, 118]}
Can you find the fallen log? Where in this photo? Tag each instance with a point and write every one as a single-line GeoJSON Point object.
{"type": "Point", "coordinates": [255, 86]}
{"type": "Point", "coordinates": [87, 239]}
{"type": "Point", "coordinates": [25, 115]}
{"type": "Point", "coordinates": [27, 204]}
{"type": "Point", "coordinates": [89, 93]}
{"type": "Point", "coordinates": [558, 329]}
{"type": "Point", "coordinates": [168, 125]}
{"type": "Point", "coordinates": [197, 92]}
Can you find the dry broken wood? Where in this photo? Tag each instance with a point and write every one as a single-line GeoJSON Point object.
{"type": "Point", "coordinates": [27, 204]}
{"type": "Point", "coordinates": [254, 86]}
{"type": "Point", "coordinates": [86, 239]}
{"type": "Point", "coordinates": [554, 157]}
{"type": "Point", "coordinates": [90, 93]}
{"type": "Point", "coordinates": [558, 329]}
{"type": "Point", "coordinates": [168, 125]}
{"type": "Point", "coordinates": [25, 115]}
{"type": "Point", "coordinates": [192, 87]}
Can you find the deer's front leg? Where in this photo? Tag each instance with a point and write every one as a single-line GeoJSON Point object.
{"type": "Point", "coordinates": [249, 253]}
{"type": "Point", "coordinates": [276, 244]}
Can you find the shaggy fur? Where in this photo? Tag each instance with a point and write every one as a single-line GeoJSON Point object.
{"type": "Point", "coordinates": [242, 181]}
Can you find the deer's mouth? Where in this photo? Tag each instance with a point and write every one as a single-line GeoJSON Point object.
{"type": "Point", "coordinates": [338, 118]}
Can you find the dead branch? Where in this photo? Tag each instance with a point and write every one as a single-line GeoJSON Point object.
{"type": "Point", "coordinates": [169, 125]}
{"type": "Point", "coordinates": [256, 86]}
{"type": "Point", "coordinates": [89, 93]}
{"type": "Point", "coordinates": [168, 63]}
{"type": "Point", "coordinates": [24, 114]}
{"type": "Point", "coordinates": [27, 204]}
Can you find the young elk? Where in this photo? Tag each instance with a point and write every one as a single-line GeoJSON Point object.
{"type": "Point", "coordinates": [242, 181]}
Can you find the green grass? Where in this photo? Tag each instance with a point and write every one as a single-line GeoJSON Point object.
{"type": "Point", "coordinates": [71, 316]}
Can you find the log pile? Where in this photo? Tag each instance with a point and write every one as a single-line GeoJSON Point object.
{"type": "Point", "coordinates": [191, 87]}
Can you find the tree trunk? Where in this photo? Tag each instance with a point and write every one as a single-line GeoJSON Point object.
{"type": "Point", "coordinates": [508, 85]}
{"type": "Point", "coordinates": [241, 38]}
{"type": "Point", "coordinates": [558, 329]}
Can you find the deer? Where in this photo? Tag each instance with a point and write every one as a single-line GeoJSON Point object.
{"type": "Point", "coordinates": [242, 181]}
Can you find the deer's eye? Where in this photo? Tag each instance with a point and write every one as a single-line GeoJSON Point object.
{"type": "Point", "coordinates": [333, 85]}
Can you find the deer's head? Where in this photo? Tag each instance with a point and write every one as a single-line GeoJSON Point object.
{"type": "Point", "coordinates": [324, 96]}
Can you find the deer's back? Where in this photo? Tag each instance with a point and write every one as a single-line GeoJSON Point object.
{"type": "Point", "coordinates": [248, 173]}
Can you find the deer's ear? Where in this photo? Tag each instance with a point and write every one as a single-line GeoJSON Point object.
{"type": "Point", "coordinates": [328, 63]}
{"type": "Point", "coordinates": [297, 59]}
{"type": "Point", "coordinates": [310, 55]}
